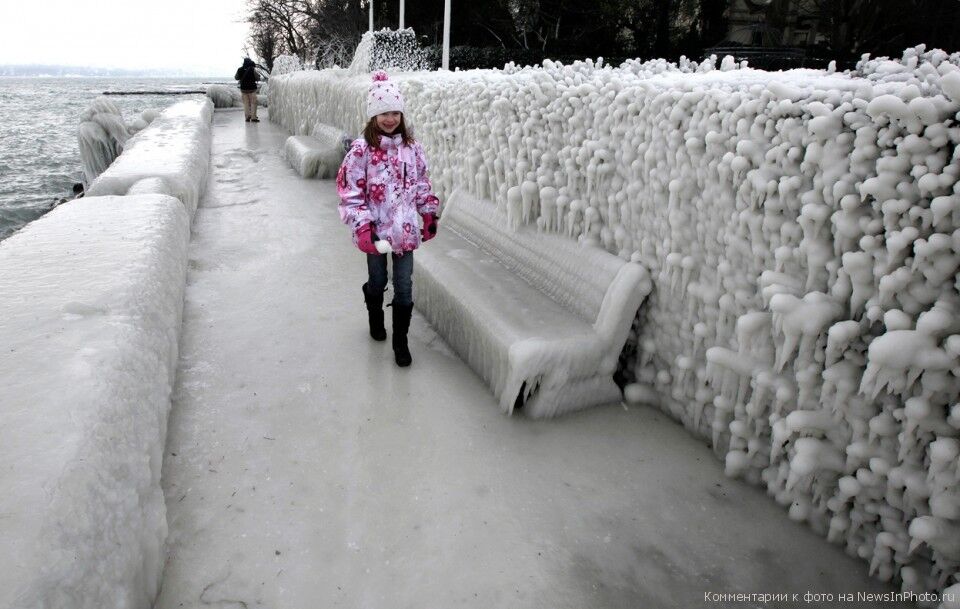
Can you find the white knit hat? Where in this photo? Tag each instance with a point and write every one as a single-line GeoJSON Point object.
{"type": "Point", "coordinates": [384, 96]}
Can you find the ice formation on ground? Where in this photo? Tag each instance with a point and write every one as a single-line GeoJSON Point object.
{"type": "Point", "coordinates": [91, 297]}
{"type": "Point", "coordinates": [143, 121]}
{"type": "Point", "coordinates": [804, 232]}
{"type": "Point", "coordinates": [174, 149]}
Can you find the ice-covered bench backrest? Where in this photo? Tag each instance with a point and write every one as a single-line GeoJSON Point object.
{"type": "Point", "coordinates": [331, 137]}
{"type": "Point", "coordinates": [575, 277]}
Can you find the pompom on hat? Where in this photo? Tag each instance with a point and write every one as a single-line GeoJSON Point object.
{"type": "Point", "coordinates": [384, 95]}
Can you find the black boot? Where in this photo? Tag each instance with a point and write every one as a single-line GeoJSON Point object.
{"type": "Point", "coordinates": [375, 314]}
{"type": "Point", "coordinates": [401, 323]}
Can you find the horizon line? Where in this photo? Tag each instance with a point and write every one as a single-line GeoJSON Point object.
{"type": "Point", "coordinates": [160, 71]}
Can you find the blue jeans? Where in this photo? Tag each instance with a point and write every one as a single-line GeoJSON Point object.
{"type": "Point", "coordinates": [402, 276]}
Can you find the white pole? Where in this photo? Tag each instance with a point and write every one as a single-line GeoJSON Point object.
{"type": "Point", "coordinates": [371, 14]}
{"type": "Point", "coordinates": [401, 13]}
{"type": "Point", "coordinates": [446, 35]}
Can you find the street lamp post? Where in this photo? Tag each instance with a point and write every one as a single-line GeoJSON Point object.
{"type": "Point", "coordinates": [402, 5]}
{"type": "Point", "coordinates": [371, 14]}
{"type": "Point", "coordinates": [446, 35]}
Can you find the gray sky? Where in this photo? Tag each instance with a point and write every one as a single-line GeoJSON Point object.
{"type": "Point", "coordinates": [207, 36]}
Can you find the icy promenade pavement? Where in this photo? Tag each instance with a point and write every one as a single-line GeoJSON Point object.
{"type": "Point", "coordinates": [305, 470]}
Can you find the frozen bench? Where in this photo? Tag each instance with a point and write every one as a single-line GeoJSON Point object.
{"type": "Point", "coordinates": [539, 318]}
{"type": "Point", "coordinates": [318, 155]}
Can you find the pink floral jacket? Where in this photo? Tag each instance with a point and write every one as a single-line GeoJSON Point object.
{"type": "Point", "coordinates": [387, 186]}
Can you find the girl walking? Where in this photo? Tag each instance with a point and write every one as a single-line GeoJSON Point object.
{"type": "Point", "coordinates": [384, 193]}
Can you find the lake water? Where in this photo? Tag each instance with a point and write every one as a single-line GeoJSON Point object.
{"type": "Point", "coordinates": [39, 156]}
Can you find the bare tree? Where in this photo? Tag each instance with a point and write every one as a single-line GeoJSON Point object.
{"type": "Point", "coordinates": [264, 40]}
{"type": "Point", "coordinates": [288, 22]}
{"type": "Point", "coordinates": [548, 24]}
{"type": "Point", "coordinates": [336, 29]}
{"type": "Point", "coordinates": [326, 32]}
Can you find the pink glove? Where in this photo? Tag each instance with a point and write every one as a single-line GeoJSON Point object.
{"type": "Point", "coordinates": [429, 230]}
{"type": "Point", "coordinates": [365, 240]}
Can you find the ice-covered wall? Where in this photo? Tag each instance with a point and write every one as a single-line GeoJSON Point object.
{"type": "Point", "coordinates": [91, 297]}
{"type": "Point", "coordinates": [173, 152]}
{"type": "Point", "coordinates": [103, 133]}
{"type": "Point", "coordinates": [803, 230]}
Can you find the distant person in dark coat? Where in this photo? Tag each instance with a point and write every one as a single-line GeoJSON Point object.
{"type": "Point", "coordinates": [248, 77]}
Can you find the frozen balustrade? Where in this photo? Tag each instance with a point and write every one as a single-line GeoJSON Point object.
{"type": "Point", "coordinates": [175, 148]}
{"type": "Point", "coordinates": [90, 309]}
{"type": "Point", "coordinates": [540, 318]}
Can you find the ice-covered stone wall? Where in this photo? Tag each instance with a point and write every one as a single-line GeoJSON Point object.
{"type": "Point", "coordinates": [91, 297]}
{"type": "Point", "coordinates": [803, 230]}
{"type": "Point", "coordinates": [103, 133]}
{"type": "Point", "coordinates": [171, 156]}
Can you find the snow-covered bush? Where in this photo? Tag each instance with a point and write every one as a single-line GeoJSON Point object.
{"type": "Point", "coordinates": [804, 232]}
{"type": "Point", "coordinates": [285, 64]}
{"type": "Point", "coordinates": [334, 51]}
{"type": "Point", "coordinates": [263, 94]}
{"type": "Point", "coordinates": [388, 49]}
{"type": "Point", "coordinates": [224, 96]}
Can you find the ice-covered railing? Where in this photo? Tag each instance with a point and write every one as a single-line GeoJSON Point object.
{"type": "Point", "coordinates": [169, 157]}
{"type": "Point", "coordinates": [803, 230]}
{"type": "Point", "coordinates": [91, 297]}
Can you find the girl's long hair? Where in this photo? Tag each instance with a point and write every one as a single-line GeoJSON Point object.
{"type": "Point", "coordinates": [372, 133]}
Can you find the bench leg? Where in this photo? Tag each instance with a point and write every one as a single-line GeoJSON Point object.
{"type": "Point", "coordinates": [374, 304]}
{"type": "Point", "coordinates": [401, 324]}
